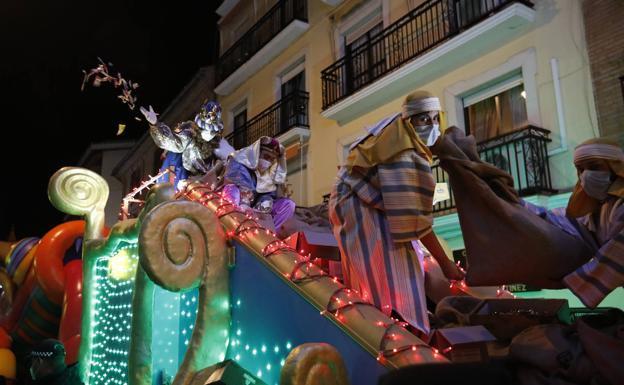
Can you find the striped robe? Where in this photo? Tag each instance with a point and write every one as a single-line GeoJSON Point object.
{"type": "Point", "coordinates": [605, 271]}
{"type": "Point", "coordinates": [375, 214]}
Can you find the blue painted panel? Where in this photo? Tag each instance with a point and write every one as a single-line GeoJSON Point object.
{"type": "Point", "coordinates": [269, 319]}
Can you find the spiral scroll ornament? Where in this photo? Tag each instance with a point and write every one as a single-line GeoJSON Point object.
{"type": "Point", "coordinates": [182, 246]}
{"type": "Point", "coordinates": [174, 244]}
{"type": "Point", "coordinates": [314, 364]}
{"type": "Point", "coordinates": [78, 191]}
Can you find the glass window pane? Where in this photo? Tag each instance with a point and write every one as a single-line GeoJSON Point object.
{"type": "Point", "coordinates": [497, 115]}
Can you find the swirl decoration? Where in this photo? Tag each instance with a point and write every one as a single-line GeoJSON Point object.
{"type": "Point", "coordinates": [182, 246]}
{"type": "Point", "coordinates": [78, 191]}
{"type": "Point", "coordinates": [173, 245]}
{"type": "Point", "coordinates": [314, 364]}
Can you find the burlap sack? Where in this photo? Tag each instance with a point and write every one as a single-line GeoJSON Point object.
{"type": "Point", "coordinates": [505, 243]}
{"type": "Point", "coordinates": [556, 351]}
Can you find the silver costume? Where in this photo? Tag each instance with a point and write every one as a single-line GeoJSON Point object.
{"type": "Point", "coordinates": [197, 154]}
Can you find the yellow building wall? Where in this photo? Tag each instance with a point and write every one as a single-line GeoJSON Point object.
{"type": "Point", "coordinates": [557, 33]}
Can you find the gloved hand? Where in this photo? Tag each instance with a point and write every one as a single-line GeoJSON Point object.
{"type": "Point", "coordinates": [151, 116]}
{"type": "Point", "coordinates": [265, 206]}
{"type": "Point", "coordinates": [224, 150]}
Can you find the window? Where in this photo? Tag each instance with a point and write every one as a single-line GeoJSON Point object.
{"type": "Point", "coordinates": [366, 55]}
{"type": "Point", "coordinates": [293, 107]}
{"type": "Point", "coordinates": [239, 29]}
{"type": "Point", "coordinates": [496, 110]}
{"type": "Point", "coordinates": [240, 131]}
{"type": "Point", "coordinates": [357, 40]}
{"type": "Point", "coordinates": [471, 11]}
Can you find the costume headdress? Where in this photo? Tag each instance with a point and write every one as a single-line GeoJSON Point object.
{"type": "Point", "coordinates": [209, 120]}
{"type": "Point", "coordinates": [599, 148]}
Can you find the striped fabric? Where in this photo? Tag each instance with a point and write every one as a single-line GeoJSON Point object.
{"type": "Point", "coordinates": [605, 271]}
{"type": "Point", "coordinates": [375, 214]}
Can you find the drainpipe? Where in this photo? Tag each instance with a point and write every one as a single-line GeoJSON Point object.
{"type": "Point", "coordinates": [563, 143]}
{"type": "Point", "coordinates": [301, 169]}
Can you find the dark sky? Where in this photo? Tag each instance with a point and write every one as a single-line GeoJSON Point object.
{"type": "Point", "coordinates": [47, 122]}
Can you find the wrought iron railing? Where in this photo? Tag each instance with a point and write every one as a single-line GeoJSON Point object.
{"type": "Point", "coordinates": [291, 111]}
{"type": "Point", "coordinates": [522, 153]}
{"type": "Point", "coordinates": [269, 25]}
{"type": "Point", "coordinates": [421, 29]}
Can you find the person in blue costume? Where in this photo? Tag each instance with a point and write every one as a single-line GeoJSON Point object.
{"type": "Point", "coordinates": [193, 147]}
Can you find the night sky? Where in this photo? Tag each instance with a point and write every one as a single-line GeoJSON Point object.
{"type": "Point", "coordinates": [47, 122]}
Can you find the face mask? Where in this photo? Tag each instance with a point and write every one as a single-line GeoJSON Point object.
{"type": "Point", "coordinates": [263, 165]}
{"type": "Point", "coordinates": [428, 134]}
{"type": "Point", "coordinates": [596, 183]}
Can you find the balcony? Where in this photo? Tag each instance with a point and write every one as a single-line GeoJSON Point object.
{"type": "Point", "coordinates": [431, 40]}
{"type": "Point", "coordinates": [271, 35]}
{"type": "Point", "coordinates": [522, 153]}
{"type": "Point", "coordinates": [285, 119]}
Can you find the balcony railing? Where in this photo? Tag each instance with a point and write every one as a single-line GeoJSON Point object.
{"type": "Point", "coordinates": [522, 153]}
{"type": "Point", "coordinates": [291, 111]}
{"type": "Point", "coordinates": [274, 21]}
{"type": "Point", "coordinates": [420, 30]}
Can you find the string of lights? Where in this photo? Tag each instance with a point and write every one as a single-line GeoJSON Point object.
{"type": "Point", "coordinates": [131, 196]}
{"type": "Point", "coordinates": [302, 270]}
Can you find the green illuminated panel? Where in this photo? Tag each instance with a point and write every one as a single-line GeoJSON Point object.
{"type": "Point", "coordinates": [114, 284]}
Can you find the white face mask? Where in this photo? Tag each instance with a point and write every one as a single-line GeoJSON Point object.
{"type": "Point", "coordinates": [596, 183]}
{"type": "Point", "coordinates": [263, 165]}
{"type": "Point", "coordinates": [429, 133]}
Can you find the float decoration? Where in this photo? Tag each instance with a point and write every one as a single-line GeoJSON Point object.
{"type": "Point", "coordinates": [82, 192]}
{"type": "Point", "coordinates": [359, 319]}
{"type": "Point", "coordinates": [182, 246]}
{"type": "Point", "coordinates": [314, 364]}
{"type": "Point", "coordinates": [131, 196]}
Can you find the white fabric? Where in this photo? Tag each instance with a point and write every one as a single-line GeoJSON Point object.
{"type": "Point", "coordinates": [374, 130]}
{"type": "Point", "coordinates": [224, 150]}
{"type": "Point", "coordinates": [266, 181]}
{"type": "Point", "coordinates": [598, 150]}
{"type": "Point", "coordinates": [420, 105]}
{"type": "Point", "coordinates": [428, 133]}
{"type": "Point", "coordinates": [263, 165]}
{"type": "Point", "coordinates": [596, 183]}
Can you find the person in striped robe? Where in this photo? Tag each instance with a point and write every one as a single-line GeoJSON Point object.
{"type": "Point", "coordinates": [381, 202]}
{"type": "Point", "coordinates": [598, 203]}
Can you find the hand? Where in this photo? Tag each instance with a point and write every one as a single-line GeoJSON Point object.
{"type": "Point", "coordinates": [150, 116]}
{"type": "Point", "coordinates": [265, 206]}
{"type": "Point", "coordinates": [452, 272]}
{"type": "Point", "coordinates": [224, 150]}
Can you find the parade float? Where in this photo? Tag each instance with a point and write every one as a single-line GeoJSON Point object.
{"type": "Point", "coordinates": [194, 281]}
{"type": "Point", "coordinates": [41, 297]}
{"type": "Point", "coordinates": [194, 290]}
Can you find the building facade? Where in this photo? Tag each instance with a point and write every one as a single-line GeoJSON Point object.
{"type": "Point", "coordinates": [326, 70]}
{"type": "Point", "coordinates": [605, 45]}
{"type": "Point", "coordinates": [315, 73]}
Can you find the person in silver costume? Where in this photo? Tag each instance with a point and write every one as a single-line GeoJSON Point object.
{"type": "Point", "coordinates": [196, 144]}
